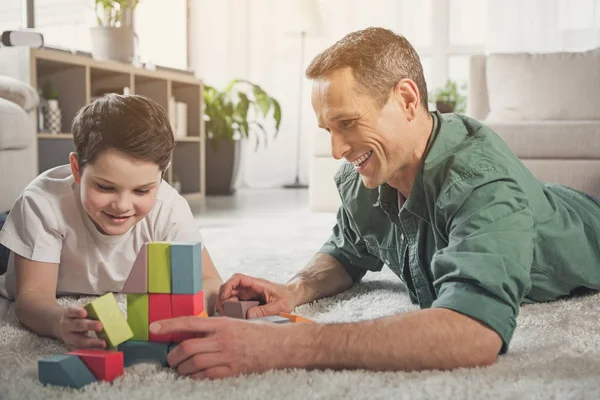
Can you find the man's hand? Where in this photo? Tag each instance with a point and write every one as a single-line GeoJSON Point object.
{"type": "Point", "coordinates": [73, 328]}
{"type": "Point", "coordinates": [277, 298]}
{"type": "Point", "coordinates": [223, 347]}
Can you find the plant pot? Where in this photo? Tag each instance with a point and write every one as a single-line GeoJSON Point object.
{"type": "Point", "coordinates": [444, 107]}
{"type": "Point", "coordinates": [114, 44]}
{"type": "Point", "coordinates": [222, 166]}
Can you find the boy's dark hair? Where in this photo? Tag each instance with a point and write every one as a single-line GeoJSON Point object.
{"type": "Point", "coordinates": [135, 125]}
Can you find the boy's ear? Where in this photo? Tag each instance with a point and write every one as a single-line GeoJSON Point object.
{"type": "Point", "coordinates": [74, 161]}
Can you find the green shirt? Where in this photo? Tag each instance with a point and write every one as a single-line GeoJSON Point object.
{"type": "Point", "coordinates": [478, 234]}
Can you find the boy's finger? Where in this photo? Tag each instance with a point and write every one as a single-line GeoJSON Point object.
{"type": "Point", "coordinates": [76, 312]}
{"type": "Point", "coordinates": [80, 341]}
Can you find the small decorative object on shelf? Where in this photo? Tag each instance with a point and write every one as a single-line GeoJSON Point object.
{"type": "Point", "coordinates": [53, 117]}
{"type": "Point", "coordinates": [52, 112]}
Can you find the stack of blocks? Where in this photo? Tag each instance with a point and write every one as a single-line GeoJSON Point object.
{"type": "Point", "coordinates": [165, 282]}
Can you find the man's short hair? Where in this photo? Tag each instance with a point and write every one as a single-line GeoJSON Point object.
{"type": "Point", "coordinates": [378, 58]}
{"type": "Point", "coordinates": [135, 125]}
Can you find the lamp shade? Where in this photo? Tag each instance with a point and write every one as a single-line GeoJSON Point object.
{"type": "Point", "coordinates": [306, 18]}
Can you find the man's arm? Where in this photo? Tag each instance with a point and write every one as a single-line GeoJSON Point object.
{"type": "Point", "coordinates": [324, 276]}
{"type": "Point", "coordinates": [426, 339]}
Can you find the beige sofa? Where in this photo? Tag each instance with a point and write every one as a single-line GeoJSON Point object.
{"type": "Point", "coordinates": [18, 156]}
{"type": "Point", "coordinates": [547, 108]}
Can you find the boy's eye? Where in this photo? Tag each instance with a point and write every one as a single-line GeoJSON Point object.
{"type": "Point", "coordinates": [142, 191]}
{"type": "Point", "coordinates": [104, 188]}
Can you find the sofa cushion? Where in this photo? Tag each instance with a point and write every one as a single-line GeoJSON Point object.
{"type": "Point", "coordinates": [18, 92]}
{"type": "Point", "coordinates": [552, 86]}
{"type": "Point", "coordinates": [16, 128]}
{"type": "Point", "coordinates": [551, 139]}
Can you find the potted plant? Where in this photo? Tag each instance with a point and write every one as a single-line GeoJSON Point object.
{"type": "Point", "coordinates": [241, 111]}
{"type": "Point", "coordinates": [113, 38]}
{"type": "Point", "coordinates": [449, 98]}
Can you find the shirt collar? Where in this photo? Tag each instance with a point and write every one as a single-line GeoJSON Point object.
{"type": "Point", "coordinates": [388, 196]}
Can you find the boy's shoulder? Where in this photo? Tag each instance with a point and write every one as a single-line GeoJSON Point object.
{"type": "Point", "coordinates": [55, 183]}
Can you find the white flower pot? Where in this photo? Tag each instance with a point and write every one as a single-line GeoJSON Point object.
{"type": "Point", "coordinates": [114, 44]}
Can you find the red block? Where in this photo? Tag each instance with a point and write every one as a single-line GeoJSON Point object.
{"type": "Point", "coordinates": [183, 305]}
{"type": "Point", "coordinates": [159, 307]}
{"type": "Point", "coordinates": [106, 365]}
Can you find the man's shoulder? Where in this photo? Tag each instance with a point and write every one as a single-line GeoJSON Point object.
{"type": "Point", "coordinates": [351, 189]}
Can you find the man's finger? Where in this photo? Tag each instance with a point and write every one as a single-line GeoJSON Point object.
{"type": "Point", "coordinates": [191, 348]}
{"type": "Point", "coordinates": [231, 284]}
{"type": "Point", "coordinates": [264, 310]}
{"type": "Point", "coordinates": [184, 324]}
{"type": "Point", "coordinates": [200, 362]}
{"type": "Point", "coordinates": [219, 372]}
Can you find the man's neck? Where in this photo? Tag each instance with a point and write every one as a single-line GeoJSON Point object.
{"type": "Point", "coordinates": [404, 179]}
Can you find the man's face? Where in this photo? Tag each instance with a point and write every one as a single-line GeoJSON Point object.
{"type": "Point", "coordinates": [377, 140]}
{"type": "Point", "coordinates": [117, 190]}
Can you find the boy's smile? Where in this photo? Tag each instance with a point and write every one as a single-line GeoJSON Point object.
{"type": "Point", "coordinates": [117, 190]}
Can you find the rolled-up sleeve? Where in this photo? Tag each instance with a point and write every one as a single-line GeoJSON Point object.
{"type": "Point", "coordinates": [347, 247]}
{"type": "Point", "coordinates": [484, 271]}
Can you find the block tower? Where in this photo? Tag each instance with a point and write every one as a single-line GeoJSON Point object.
{"type": "Point", "coordinates": [165, 282]}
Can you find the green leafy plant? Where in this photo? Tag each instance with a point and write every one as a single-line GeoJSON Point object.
{"type": "Point", "coordinates": [111, 12]}
{"type": "Point", "coordinates": [240, 111]}
{"type": "Point", "coordinates": [49, 92]}
{"type": "Point", "coordinates": [450, 98]}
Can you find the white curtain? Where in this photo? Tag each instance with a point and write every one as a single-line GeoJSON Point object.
{"type": "Point", "coordinates": [542, 25]}
{"type": "Point", "coordinates": [247, 39]}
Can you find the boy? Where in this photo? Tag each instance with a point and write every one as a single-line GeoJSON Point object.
{"type": "Point", "coordinates": [77, 228]}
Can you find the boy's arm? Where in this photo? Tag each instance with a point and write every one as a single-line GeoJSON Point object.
{"type": "Point", "coordinates": [211, 282]}
{"type": "Point", "coordinates": [36, 305]}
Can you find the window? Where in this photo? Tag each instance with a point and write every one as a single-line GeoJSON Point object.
{"type": "Point", "coordinates": [10, 15]}
{"type": "Point", "coordinates": [445, 33]}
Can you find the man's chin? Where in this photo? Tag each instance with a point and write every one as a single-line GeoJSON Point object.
{"type": "Point", "coordinates": [370, 183]}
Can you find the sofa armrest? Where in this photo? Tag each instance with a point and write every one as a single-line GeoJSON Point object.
{"type": "Point", "coordinates": [477, 99]}
{"type": "Point", "coordinates": [18, 92]}
{"type": "Point", "coordinates": [17, 130]}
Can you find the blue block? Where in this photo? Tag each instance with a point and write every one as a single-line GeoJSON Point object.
{"type": "Point", "coordinates": [172, 346]}
{"type": "Point", "coordinates": [186, 268]}
{"type": "Point", "coordinates": [64, 370]}
{"type": "Point", "coordinates": [137, 351]}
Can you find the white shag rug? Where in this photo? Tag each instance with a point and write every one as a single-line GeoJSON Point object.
{"type": "Point", "coordinates": [555, 353]}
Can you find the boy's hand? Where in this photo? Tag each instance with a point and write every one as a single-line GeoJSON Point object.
{"type": "Point", "coordinates": [73, 329]}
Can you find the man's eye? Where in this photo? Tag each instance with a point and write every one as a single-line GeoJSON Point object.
{"type": "Point", "coordinates": [347, 123]}
{"type": "Point", "coordinates": [104, 188]}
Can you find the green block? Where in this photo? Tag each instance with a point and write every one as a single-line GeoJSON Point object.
{"type": "Point", "coordinates": [137, 315]}
{"type": "Point", "coordinates": [159, 267]}
{"type": "Point", "coordinates": [115, 328]}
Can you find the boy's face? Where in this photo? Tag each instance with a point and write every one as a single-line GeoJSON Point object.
{"type": "Point", "coordinates": [117, 190]}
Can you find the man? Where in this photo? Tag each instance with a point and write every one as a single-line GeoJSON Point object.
{"type": "Point", "coordinates": [442, 201]}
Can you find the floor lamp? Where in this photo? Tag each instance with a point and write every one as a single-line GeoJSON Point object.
{"type": "Point", "coordinates": [307, 21]}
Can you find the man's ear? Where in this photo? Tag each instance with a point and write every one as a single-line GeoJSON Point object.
{"type": "Point", "coordinates": [407, 92]}
{"type": "Point", "coordinates": [74, 162]}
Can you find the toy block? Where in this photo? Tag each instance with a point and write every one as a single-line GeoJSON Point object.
{"type": "Point", "coordinates": [159, 307]}
{"type": "Point", "coordinates": [115, 329]}
{"type": "Point", "coordinates": [159, 267]}
{"type": "Point", "coordinates": [137, 282]}
{"type": "Point", "coordinates": [171, 347]}
{"type": "Point", "coordinates": [271, 318]}
{"type": "Point", "coordinates": [186, 268]}
{"type": "Point", "coordinates": [104, 364]}
{"type": "Point", "coordinates": [137, 351]}
{"type": "Point", "coordinates": [203, 314]}
{"type": "Point", "coordinates": [137, 315]}
{"type": "Point", "coordinates": [64, 370]}
{"type": "Point", "coordinates": [295, 318]}
{"type": "Point", "coordinates": [183, 305]}
{"type": "Point", "coordinates": [238, 309]}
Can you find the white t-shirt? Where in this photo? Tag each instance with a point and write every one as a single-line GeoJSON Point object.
{"type": "Point", "coordinates": [48, 224]}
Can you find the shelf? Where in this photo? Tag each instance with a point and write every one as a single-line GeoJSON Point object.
{"type": "Point", "coordinates": [187, 139]}
{"type": "Point", "coordinates": [55, 136]}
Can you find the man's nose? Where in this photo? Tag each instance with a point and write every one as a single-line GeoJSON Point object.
{"type": "Point", "coordinates": [339, 147]}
